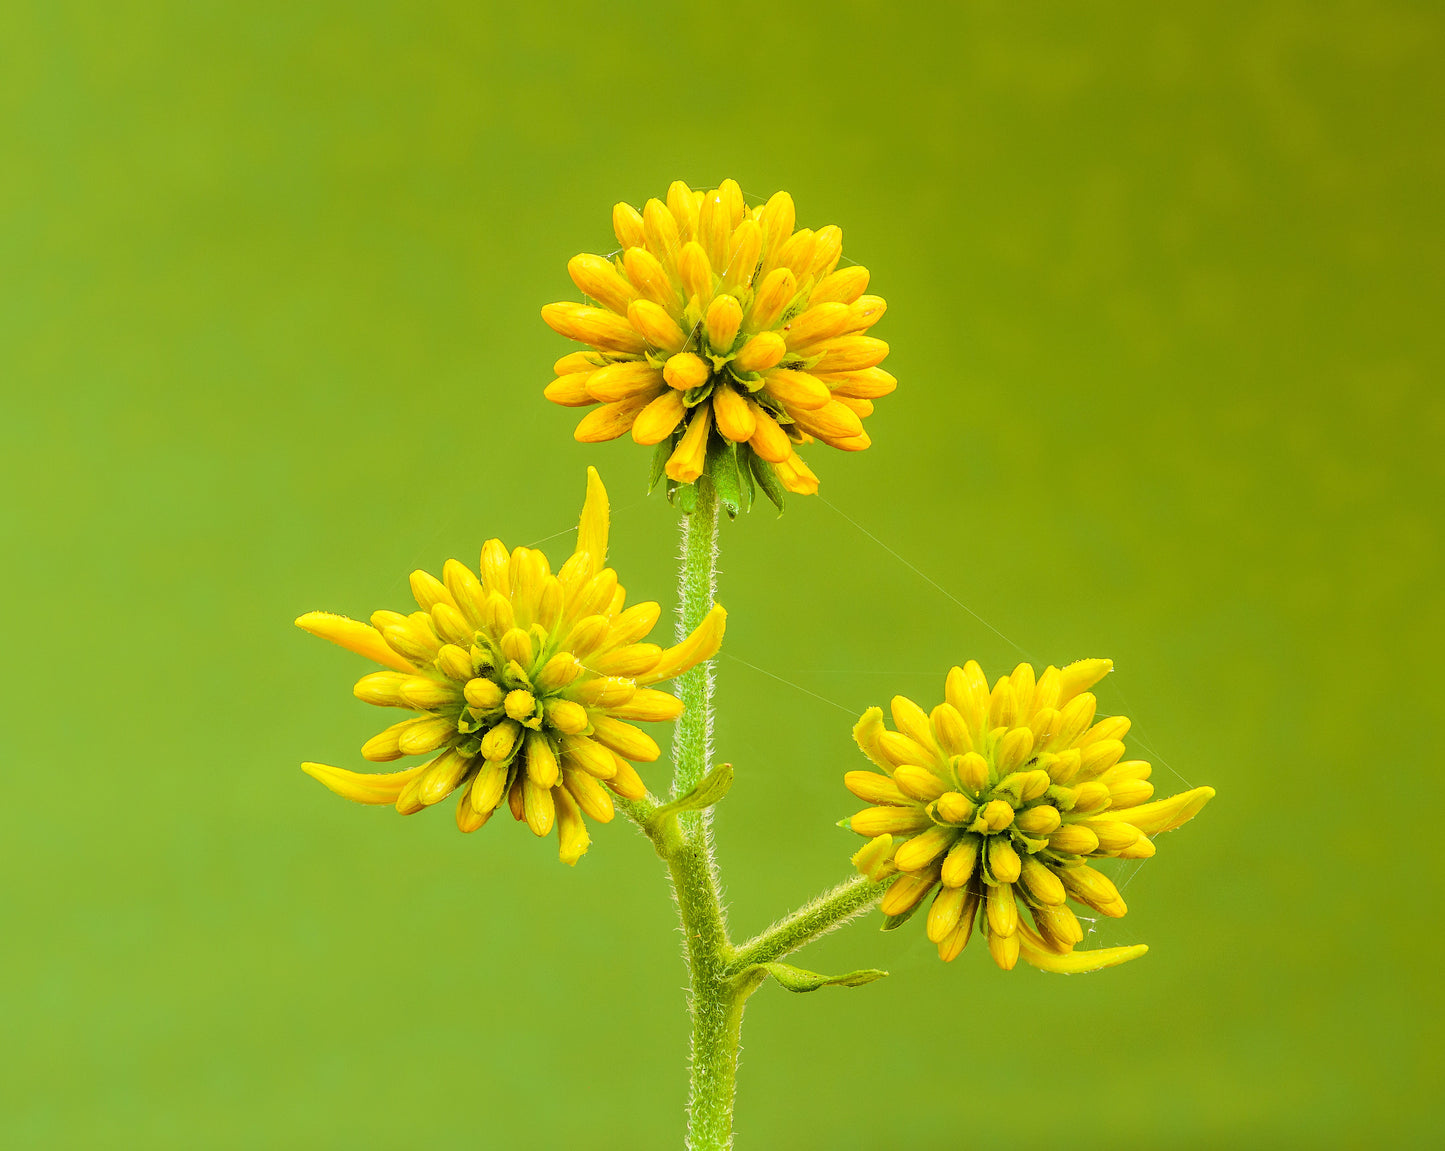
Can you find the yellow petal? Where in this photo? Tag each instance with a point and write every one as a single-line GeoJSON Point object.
{"type": "Point", "coordinates": [906, 892]}
{"type": "Point", "coordinates": [542, 766]}
{"type": "Point", "coordinates": [625, 781]}
{"type": "Point", "coordinates": [683, 208]}
{"type": "Point", "coordinates": [796, 476]}
{"type": "Point", "coordinates": [626, 380]}
{"type": "Point", "coordinates": [627, 225]}
{"type": "Point", "coordinates": [599, 278]}
{"type": "Point", "coordinates": [924, 848]}
{"type": "Point", "coordinates": [818, 323]}
{"type": "Point", "coordinates": [873, 821]}
{"type": "Point", "coordinates": [650, 278]}
{"type": "Point", "coordinates": [660, 228]}
{"type": "Point", "coordinates": [735, 417]}
{"type": "Point", "coordinates": [695, 272]}
{"type": "Point", "coordinates": [683, 371]}
{"type": "Point", "coordinates": [1165, 814]}
{"type": "Point", "coordinates": [685, 464]}
{"type": "Point", "coordinates": [354, 636]}
{"type": "Point", "coordinates": [774, 293]}
{"type": "Point", "coordinates": [1081, 675]}
{"type": "Point", "coordinates": [572, 836]}
{"type": "Point", "coordinates": [538, 807]}
{"type": "Point", "coordinates": [443, 776]}
{"type": "Point", "coordinates": [871, 787]}
{"type": "Point", "coordinates": [769, 440]}
{"type": "Point", "coordinates": [701, 645]}
{"type": "Point", "coordinates": [777, 217]}
{"type": "Point", "coordinates": [959, 863]}
{"type": "Point", "coordinates": [850, 354]}
{"type": "Point", "coordinates": [590, 795]}
{"type": "Point", "coordinates": [362, 787]}
{"type": "Point", "coordinates": [592, 528]}
{"type": "Point", "coordinates": [656, 326]}
{"type": "Point", "coordinates": [743, 251]}
{"type": "Point", "coordinates": [657, 421]}
{"type": "Point", "coordinates": [1036, 954]}
{"type": "Point", "coordinates": [868, 735]}
{"type": "Point", "coordinates": [595, 326]}
{"type": "Point", "coordinates": [628, 741]}
{"type": "Point", "coordinates": [799, 391]}
{"type": "Point", "coordinates": [874, 858]}
{"type": "Point", "coordinates": [649, 704]}
{"type": "Point", "coordinates": [945, 913]}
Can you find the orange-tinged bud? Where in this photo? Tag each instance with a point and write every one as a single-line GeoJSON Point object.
{"type": "Point", "coordinates": [595, 326]}
{"type": "Point", "coordinates": [654, 325]}
{"type": "Point", "coordinates": [627, 225]}
{"type": "Point", "coordinates": [657, 421]}
{"type": "Point", "coordinates": [920, 851]}
{"type": "Point", "coordinates": [799, 392]}
{"type": "Point", "coordinates": [735, 417]}
{"type": "Point", "coordinates": [598, 278]}
{"type": "Point", "coordinates": [685, 370]}
{"type": "Point", "coordinates": [624, 381]}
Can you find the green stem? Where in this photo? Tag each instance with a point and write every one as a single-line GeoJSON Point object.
{"type": "Point", "coordinates": [715, 1003]}
{"type": "Point", "coordinates": [832, 909]}
{"type": "Point", "coordinates": [719, 985]}
{"type": "Point", "coordinates": [696, 591]}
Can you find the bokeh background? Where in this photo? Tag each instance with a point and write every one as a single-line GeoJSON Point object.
{"type": "Point", "coordinates": [1164, 289]}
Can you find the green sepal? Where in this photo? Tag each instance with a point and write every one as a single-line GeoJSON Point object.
{"type": "Point", "coordinates": [753, 381]}
{"type": "Point", "coordinates": [694, 396]}
{"type": "Point", "coordinates": [798, 303]}
{"type": "Point", "coordinates": [767, 479]}
{"type": "Point", "coordinates": [1063, 797]}
{"type": "Point", "coordinates": [745, 470]}
{"type": "Point", "coordinates": [660, 456]}
{"type": "Point", "coordinates": [797, 980]}
{"type": "Point", "coordinates": [893, 922]}
{"type": "Point", "coordinates": [722, 466]}
{"type": "Point", "coordinates": [682, 496]}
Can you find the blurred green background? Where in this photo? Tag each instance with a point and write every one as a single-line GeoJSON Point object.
{"type": "Point", "coordinates": [1165, 305]}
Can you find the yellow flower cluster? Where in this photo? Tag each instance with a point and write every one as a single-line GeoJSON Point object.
{"type": "Point", "coordinates": [524, 683]}
{"type": "Point", "coordinates": [996, 800]}
{"type": "Point", "coordinates": [719, 317]}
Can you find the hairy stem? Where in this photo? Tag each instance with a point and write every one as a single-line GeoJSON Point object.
{"type": "Point", "coordinates": [832, 909]}
{"type": "Point", "coordinates": [697, 588]}
{"type": "Point", "coordinates": [716, 1005]}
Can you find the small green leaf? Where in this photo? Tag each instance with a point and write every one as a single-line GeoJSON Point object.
{"type": "Point", "coordinates": [714, 786]}
{"type": "Point", "coordinates": [767, 479]}
{"type": "Point", "coordinates": [798, 980]}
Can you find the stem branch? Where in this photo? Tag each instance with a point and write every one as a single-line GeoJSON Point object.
{"type": "Point", "coordinates": [832, 909]}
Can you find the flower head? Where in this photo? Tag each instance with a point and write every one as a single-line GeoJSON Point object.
{"type": "Point", "coordinates": [721, 332]}
{"type": "Point", "coordinates": [523, 683]}
{"type": "Point", "coordinates": [996, 800]}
